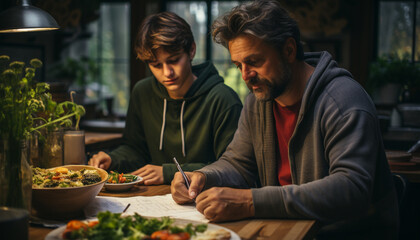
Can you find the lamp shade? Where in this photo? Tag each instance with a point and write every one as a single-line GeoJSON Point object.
{"type": "Point", "coordinates": [26, 18]}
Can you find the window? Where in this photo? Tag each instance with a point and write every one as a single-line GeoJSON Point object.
{"type": "Point", "coordinates": [108, 45]}
{"type": "Point", "coordinates": [399, 29]}
{"type": "Point", "coordinates": [197, 13]}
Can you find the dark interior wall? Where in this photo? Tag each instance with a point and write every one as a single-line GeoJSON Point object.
{"type": "Point", "coordinates": [137, 68]}
{"type": "Point", "coordinates": [139, 10]}
{"type": "Point", "coordinates": [363, 39]}
{"type": "Point", "coordinates": [345, 28]}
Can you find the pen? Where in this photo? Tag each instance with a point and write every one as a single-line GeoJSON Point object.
{"type": "Point", "coordinates": [125, 209]}
{"type": "Point", "coordinates": [187, 183]}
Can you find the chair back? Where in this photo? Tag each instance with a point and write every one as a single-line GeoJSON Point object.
{"type": "Point", "coordinates": [400, 186]}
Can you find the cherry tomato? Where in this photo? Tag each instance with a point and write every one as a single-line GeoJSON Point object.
{"type": "Point", "coordinates": [122, 180]}
{"type": "Point", "coordinates": [179, 236]}
{"type": "Point", "coordinates": [162, 235]}
{"type": "Point", "coordinates": [76, 224]}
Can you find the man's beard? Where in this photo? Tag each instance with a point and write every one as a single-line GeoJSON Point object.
{"type": "Point", "coordinates": [271, 89]}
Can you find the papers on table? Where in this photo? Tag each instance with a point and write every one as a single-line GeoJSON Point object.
{"type": "Point", "coordinates": [154, 206]}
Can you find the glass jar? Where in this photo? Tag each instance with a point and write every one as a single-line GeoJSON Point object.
{"type": "Point", "coordinates": [74, 147]}
{"type": "Point", "coordinates": [50, 149]}
{"type": "Point", "coordinates": [15, 174]}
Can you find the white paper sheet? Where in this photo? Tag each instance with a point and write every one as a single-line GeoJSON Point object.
{"type": "Point", "coordinates": [154, 206]}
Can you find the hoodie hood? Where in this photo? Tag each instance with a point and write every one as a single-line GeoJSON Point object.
{"type": "Point", "coordinates": [326, 70]}
{"type": "Point", "coordinates": [207, 77]}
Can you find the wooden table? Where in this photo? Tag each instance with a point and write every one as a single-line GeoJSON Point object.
{"type": "Point", "coordinates": [246, 229]}
{"type": "Point", "coordinates": [97, 137]}
{"type": "Point", "coordinates": [106, 126]}
{"type": "Point", "coordinates": [96, 141]}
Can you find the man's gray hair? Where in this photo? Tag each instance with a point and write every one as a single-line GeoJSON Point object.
{"type": "Point", "coordinates": [264, 19]}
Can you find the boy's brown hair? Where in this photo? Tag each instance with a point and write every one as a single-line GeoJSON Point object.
{"type": "Point", "coordinates": [164, 30]}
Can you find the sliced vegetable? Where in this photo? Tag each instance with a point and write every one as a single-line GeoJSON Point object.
{"type": "Point", "coordinates": [76, 224]}
{"type": "Point", "coordinates": [179, 236]}
{"type": "Point", "coordinates": [162, 235]}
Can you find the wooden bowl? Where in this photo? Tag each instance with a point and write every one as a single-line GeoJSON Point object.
{"type": "Point", "coordinates": [66, 203]}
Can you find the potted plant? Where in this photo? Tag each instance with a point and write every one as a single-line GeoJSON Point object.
{"type": "Point", "coordinates": [77, 74]}
{"type": "Point", "coordinates": [47, 141]}
{"type": "Point", "coordinates": [388, 76]}
{"type": "Point", "coordinates": [21, 99]}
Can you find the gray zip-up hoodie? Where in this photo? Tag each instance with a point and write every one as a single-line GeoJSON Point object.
{"type": "Point", "coordinates": [340, 175]}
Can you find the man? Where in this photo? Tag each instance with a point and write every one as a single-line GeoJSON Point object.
{"type": "Point", "coordinates": [182, 111]}
{"type": "Point", "coordinates": [308, 143]}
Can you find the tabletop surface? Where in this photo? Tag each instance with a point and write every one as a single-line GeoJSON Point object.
{"type": "Point", "coordinates": [246, 229]}
{"type": "Point", "coordinates": [103, 126]}
{"type": "Point", "coordinates": [95, 137]}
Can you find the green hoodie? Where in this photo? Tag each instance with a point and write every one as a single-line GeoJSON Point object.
{"type": "Point", "coordinates": [196, 129]}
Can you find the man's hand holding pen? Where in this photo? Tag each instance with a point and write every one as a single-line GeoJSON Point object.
{"type": "Point", "coordinates": [216, 204]}
{"type": "Point", "coordinates": [180, 193]}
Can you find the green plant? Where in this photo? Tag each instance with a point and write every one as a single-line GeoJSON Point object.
{"type": "Point", "coordinates": [20, 97]}
{"type": "Point", "coordinates": [392, 70]}
{"type": "Point", "coordinates": [24, 100]}
{"type": "Point", "coordinates": [78, 71]}
{"type": "Point", "coordinates": [56, 115]}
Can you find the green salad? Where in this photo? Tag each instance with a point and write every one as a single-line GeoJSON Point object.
{"type": "Point", "coordinates": [115, 177]}
{"type": "Point", "coordinates": [114, 226]}
{"type": "Point", "coordinates": [62, 177]}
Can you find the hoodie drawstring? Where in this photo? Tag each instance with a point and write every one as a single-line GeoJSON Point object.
{"type": "Point", "coordinates": [181, 122]}
{"type": "Point", "coordinates": [163, 125]}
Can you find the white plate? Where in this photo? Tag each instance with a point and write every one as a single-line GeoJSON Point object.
{"type": "Point", "coordinates": [120, 187]}
{"type": "Point", "coordinates": [56, 233]}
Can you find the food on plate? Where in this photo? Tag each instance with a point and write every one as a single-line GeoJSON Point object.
{"type": "Point", "coordinates": [115, 177]}
{"type": "Point", "coordinates": [216, 234]}
{"type": "Point", "coordinates": [62, 177]}
{"type": "Point", "coordinates": [114, 226]}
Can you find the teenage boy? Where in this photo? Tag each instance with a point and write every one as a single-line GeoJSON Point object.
{"type": "Point", "coordinates": [182, 111]}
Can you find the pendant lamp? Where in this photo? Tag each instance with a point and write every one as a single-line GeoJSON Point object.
{"type": "Point", "coordinates": [26, 18]}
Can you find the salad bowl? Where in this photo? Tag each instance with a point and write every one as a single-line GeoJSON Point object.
{"type": "Point", "coordinates": [66, 202]}
{"type": "Point", "coordinates": [121, 186]}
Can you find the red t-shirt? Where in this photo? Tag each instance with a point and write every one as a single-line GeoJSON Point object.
{"type": "Point", "coordinates": [285, 119]}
